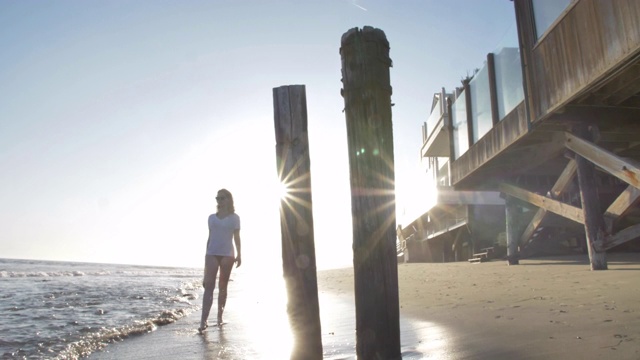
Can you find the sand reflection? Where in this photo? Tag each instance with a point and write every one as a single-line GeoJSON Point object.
{"type": "Point", "coordinates": [424, 340]}
{"type": "Point", "coordinates": [337, 317]}
{"type": "Point", "coordinates": [264, 316]}
{"type": "Point", "coordinates": [419, 339]}
{"type": "Point", "coordinates": [216, 346]}
{"type": "Point", "coordinates": [258, 326]}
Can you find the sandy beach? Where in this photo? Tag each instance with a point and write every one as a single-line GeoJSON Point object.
{"type": "Point", "coordinates": [545, 308]}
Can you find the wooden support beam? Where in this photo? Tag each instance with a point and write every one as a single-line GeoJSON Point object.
{"type": "Point", "coordinates": [630, 233]}
{"type": "Point", "coordinates": [367, 97]}
{"type": "Point", "coordinates": [593, 220]}
{"type": "Point", "coordinates": [511, 216]}
{"type": "Point", "coordinates": [555, 206]}
{"type": "Point", "coordinates": [565, 179]}
{"type": "Point", "coordinates": [296, 220]}
{"type": "Point", "coordinates": [620, 205]}
{"type": "Point", "coordinates": [532, 227]}
{"type": "Point", "coordinates": [611, 163]}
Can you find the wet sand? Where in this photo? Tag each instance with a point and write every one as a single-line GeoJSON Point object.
{"type": "Point", "coordinates": [546, 308]}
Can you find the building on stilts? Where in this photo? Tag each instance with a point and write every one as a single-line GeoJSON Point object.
{"type": "Point", "coordinates": [538, 152]}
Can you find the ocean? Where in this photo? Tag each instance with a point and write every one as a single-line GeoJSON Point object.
{"type": "Point", "coordinates": [68, 310]}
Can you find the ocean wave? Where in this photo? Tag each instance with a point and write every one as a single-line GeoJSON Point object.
{"type": "Point", "coordinates": [192, 285]}
{"type": "Point", "coordinates": [95, 341]}
{"type": "Point", "coordinates": [188, 273]}
{"type": "Point", "coordinates": [184, 297]}
{"type": "Point", "coordinates": [44, 274]}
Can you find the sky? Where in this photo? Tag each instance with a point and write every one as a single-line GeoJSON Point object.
{"type": "Point", "coordinates": [120, 120]}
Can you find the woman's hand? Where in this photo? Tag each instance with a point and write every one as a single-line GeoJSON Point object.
{"type": "Point", "coordinates": [238, 260]}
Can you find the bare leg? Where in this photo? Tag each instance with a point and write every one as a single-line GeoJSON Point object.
{"type": "Point", "coordinates": [226, 266]}
{"type": "Point", "coordinates": [210, 273]}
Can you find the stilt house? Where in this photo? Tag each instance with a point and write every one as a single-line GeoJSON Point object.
{"type": "Point", "coordinates": [539, 150]}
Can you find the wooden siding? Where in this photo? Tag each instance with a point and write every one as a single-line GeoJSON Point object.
{"type": "Point", "coordinates": [503, 134]}
{"type": "Point", "coordinates": [591, 42]}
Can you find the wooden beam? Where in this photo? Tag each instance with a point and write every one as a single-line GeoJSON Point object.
{"type": "Point", "coordinates": [511, 215]}
{"type": "Point", "coordinates": [620, 205]}
{"type": "Point", "coordinates": [532, 226]}
{"type": "Point", "coordinates": [296, 220]}
{"type": "Point", "coordinates": [557, 207]}
{"type": "Point", "coordinates": [565, 179]}
{"type": "Point", "coordinates": [367, 98]}
{"type": "Point", "coordinates": [622, 236]}
{"type": "Point", "coordinates": [611, 163]}
{"type": "Point", "coordinates": [594, 227]}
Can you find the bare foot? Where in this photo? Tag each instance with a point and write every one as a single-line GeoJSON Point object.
{"type": "Point", "coordinates": [203, 327]}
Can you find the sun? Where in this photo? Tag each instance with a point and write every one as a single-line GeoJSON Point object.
{"type": "Point", "coordinates": [282, 190]}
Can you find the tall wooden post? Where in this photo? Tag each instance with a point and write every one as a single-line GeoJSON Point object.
{"type": "Point", "coordinates": [367, 97]}
{"type": "Point", "coordinates": [511, 215]}
{"type": "Point", "coordinates": [296, 220]}
{"type": "Point", "coordinates": [594, 226]}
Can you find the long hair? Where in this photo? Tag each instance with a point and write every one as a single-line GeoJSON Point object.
{"type": "Point", "coordinates": [227, 193]}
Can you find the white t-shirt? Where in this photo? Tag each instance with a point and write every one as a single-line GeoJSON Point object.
{"type": "Point", "coordinates": [221, 234]}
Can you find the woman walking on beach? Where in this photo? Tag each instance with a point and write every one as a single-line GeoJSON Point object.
{"type": "Point", "coordinates": [224, 231]}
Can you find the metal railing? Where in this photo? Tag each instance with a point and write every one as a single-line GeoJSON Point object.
{"type": "Point", "coordinates": [443, 225]}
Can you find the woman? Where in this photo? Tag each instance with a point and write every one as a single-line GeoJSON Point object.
{"type": "Point", "coordinates": [224, 231]}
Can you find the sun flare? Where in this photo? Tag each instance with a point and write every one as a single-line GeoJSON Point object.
{"type": "Point", "coordinates": [282, 190]}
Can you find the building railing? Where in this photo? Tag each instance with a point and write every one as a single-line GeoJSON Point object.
{"type": "Point", "coordinates": [432, 122]}
{"type": "Point", "coordinates": [493, 91]}
{"type": "Point", "coordinates": [479, 109]}
{"type": "Point", "coordinates": [401, 246]}
{"type": "Point", "coordinates": [443, 225]}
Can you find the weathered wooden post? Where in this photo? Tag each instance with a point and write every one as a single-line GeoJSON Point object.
{"type": "Point", "coordinates": [296, 220]}
{"type": "Point", "coordinates": [367, 97]}
{"type": "Point", "coordinates": [511, 215]}
{"type": "Point", "coordinates": [594, 226]}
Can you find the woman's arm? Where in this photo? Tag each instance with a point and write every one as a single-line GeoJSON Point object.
{"type": "Point", "coordinates": [236, 240]}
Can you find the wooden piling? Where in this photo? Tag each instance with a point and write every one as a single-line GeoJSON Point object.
{"type": "Point", "coordinates": [367, 96]}
{"type": "Point", "coordinates": [296, 220]}
{"type": "Point", "coordinates": [594, 226]}
{"type": "Point", "coordinates": [511, 215]}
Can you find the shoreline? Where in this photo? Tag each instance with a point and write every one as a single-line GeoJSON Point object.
{"type": "Point", "coordinates": [544, 308]}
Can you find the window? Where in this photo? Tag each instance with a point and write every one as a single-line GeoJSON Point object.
{"type": "Point", "coordinates": [546, 12]}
